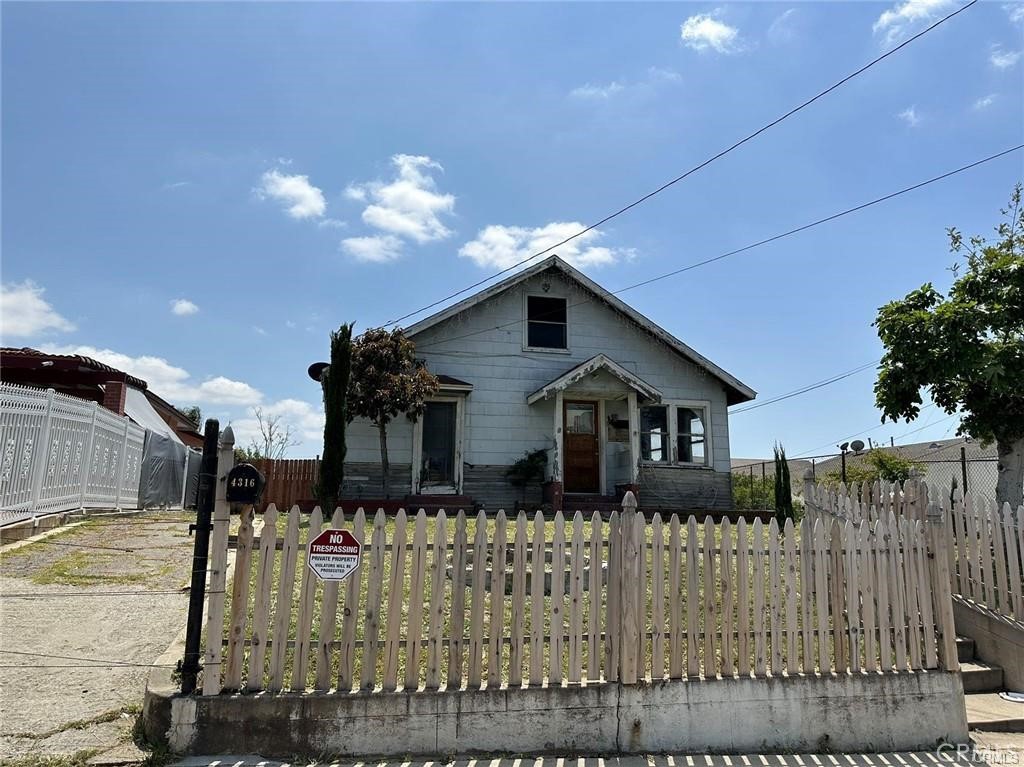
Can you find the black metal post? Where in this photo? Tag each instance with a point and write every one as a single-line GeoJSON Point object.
{"type": "Point", "coordinates": [204, 517]}
{"type": "Point", "coordinates": [963, 466]}
{"type": "Point", "coordinates": [844, 467]}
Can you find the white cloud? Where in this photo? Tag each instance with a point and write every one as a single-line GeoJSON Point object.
{"type": "Point", "coordinates": [408, 205]}
{"type": "Point", "coordinates": [258, 330]}
{"type": "Point", "coordinates": [1001, 59]}
{"type": "Point", "coordinates": [704, 31]}
{"type": "Point", "coordinates": [331, 223]}
{"type": "Point", "coordinates": [24, 312]}
{"type": "Point", "coordinates": [599, 92]}
{"type": "Point", "coordinates": [377, 249]}
{"type": "Point", "coordinates": [660, 74]}
{"type": "Point", "coordinates": [500, 247]}
{"type": "Point", "coordinates": [183, 307]}
{"type": "Point", "coordinates": [897, 22]}
{"type": "Point", "coordinates": [985, 101]}
{"type": "Point", "coordinates": [170, 381]}
{"type": "Point", "coordinates": [654, 76]}
{"type": "Point", "coordinates": [910, 116]}
{"type": "Point", "coordinates": [1015, 11]}
{"type": "Point", "coordinates": [781, 29]}
{"type": "Point", "coordinates": [299, 197]}
{"type": "Point", "coordinates": [305, 420]}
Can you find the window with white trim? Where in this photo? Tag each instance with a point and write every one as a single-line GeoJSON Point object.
{"type": "Point", "coordinates": [675, 432]}
{"type": "Point", "coordinates": [547, 322]}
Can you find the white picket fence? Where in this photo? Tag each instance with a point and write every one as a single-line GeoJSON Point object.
{"type": "Point", "coordinates": [985, 545]}
{"type": "Point", "coordinates": [61, 453]}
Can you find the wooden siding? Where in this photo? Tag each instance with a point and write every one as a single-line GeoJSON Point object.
{"type": "Point", "coordinates": [500, 426]}
{"type": "Point", "coordinates": [673, 487]}
{"type": "Point", "coordinates": [488, 486]}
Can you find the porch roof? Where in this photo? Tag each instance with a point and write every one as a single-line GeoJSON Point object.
{"type": "Point", "coordinates": [581, 371]}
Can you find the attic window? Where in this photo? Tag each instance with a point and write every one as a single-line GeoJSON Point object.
{"type": "Point", "coordinates": [547, 324]}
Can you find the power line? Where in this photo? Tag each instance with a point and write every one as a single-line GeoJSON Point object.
{"type": "Point", "coordinates": [109, 663]}
{"type": "Point", "coordinates": [694, 169]}
{"type": "Point", "coordinates": [77, 594]}
{"type": "Point", "coordinates": [875, 428]}
{"type": "Point", "coordinates": [808, 388]}
{"type": "Point", "coordinates": [759, 243]}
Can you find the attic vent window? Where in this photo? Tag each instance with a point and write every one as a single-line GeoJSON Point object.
{"type": "Point", "coordinates": [547, 324]}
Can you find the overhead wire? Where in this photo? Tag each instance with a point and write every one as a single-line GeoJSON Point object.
{"type": "Point", "coordinates": [694, 169]}
{"type": "Point", "coordinates": [751, 246]}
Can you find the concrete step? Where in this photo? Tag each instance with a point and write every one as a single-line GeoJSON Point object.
{"type": "Point", "coordinates": [964, 649]}
{"type": "Point", "coordinates": [990, 713]}
{"type": "Point", "coordinates": [981, 677]}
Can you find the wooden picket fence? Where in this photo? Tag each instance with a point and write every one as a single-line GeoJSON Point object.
{"type": "Point", "coordinates": [289, 481]}
{"type": "Point", "coordinates": [985, 547]}
{"type": "Point", "coordinates": [455, 602]}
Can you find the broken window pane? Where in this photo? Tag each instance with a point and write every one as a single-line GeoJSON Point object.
{"type": "Point", "coordinates": [654, 436]}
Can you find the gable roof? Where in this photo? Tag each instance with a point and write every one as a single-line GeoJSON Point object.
{"type": "Point", "coordinates": [736, 390]}
{"type": "Point", "coordinates": [598, 362]}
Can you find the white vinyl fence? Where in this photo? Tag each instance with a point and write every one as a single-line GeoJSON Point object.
{"type": "Point", "coordinates": [61, 453]}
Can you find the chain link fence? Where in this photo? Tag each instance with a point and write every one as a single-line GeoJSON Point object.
{"type": "Point", "coordinates": [753, 483]}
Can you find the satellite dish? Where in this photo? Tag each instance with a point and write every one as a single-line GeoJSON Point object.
{"type": "Point", "coordinates": [316, 370]}
{"type": "Point", "coordinates": [857, 445]}
{"type": "Point", "coordinates": [844, 446]}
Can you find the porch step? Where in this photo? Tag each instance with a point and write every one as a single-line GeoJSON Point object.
{"type": "Point", "coordinates": [982, 677]}
{"type": "Point", "coordinates": [990, 713]}
{"type": "Point", "coordinates": [964, 649]}
{"type": "Point", "coordinates": [414, 503]}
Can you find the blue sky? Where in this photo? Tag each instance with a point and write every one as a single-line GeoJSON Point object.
{"type": "Point", "coordinates": [200, 193]}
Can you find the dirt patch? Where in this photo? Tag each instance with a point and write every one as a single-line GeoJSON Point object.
{"type": "Point", "coordinates": [83, 615]}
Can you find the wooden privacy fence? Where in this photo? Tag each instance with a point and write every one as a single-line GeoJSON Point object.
{"type": "Point", "coordinates": [289, 481]}
{"type": "Point", "coordinates": [461, 602]}
{"type": "Point", "coordinates": [985, 547]}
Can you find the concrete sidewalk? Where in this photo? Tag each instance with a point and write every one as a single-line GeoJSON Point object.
{"type": "Point", "coordinates": [900, 759]}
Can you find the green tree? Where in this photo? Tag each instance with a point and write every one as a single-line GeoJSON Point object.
{"type": "Point", "coordinates": [193, 413]}
{"type": "Point", "coordinates": [783, 488]}
{"type": "Point", "coordinates": [386, 381]}
{"type": "Point", "coordinates": [966, 347]}
{"type": "Point", "coordinates": [335, 382]}
{"type": "Point", "coordinates": [877, 464]}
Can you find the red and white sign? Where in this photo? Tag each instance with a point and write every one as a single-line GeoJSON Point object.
{"type": "Point", "coordinates": [334, 555]}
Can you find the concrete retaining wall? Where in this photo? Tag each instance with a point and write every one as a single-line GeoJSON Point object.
{"type": "Point", "coordinates": [997, 639]}
{"type": "Point", "coordinates": [855, 712]}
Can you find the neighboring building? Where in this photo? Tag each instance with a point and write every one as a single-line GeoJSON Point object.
{"type": "Point", "coordinates": [90, 379]}
{"type": "Point", "coordinates": [549, 360]}
{"type": "Point", "coordinates": [940, 462]}
{"type": "Point", "coordinates": [169, 469]}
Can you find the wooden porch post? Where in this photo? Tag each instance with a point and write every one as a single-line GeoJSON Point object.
{"type": "Point", "coordinates": [556, 467]}
{"type": "Point", "coordinates": [634, 438]}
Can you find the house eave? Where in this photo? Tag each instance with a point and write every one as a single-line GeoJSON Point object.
{"type": "Point", "coordinates": [737, 392]}
{"type": "Point", "coordinates": [584, 369]}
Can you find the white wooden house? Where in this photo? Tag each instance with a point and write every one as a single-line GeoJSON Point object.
{"type": "Point", "coordinates": [548, 359]}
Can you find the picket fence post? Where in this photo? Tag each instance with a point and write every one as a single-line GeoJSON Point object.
{"type": "Point", "coordinates": [940, 586]}
{"type": "Point", "coordinates": [629, 576]}
{"type": "Point", "coordinates": [39, 470]}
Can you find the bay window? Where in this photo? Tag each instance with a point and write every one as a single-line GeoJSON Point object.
{"type": "Point", "coordinates": [675, 432]}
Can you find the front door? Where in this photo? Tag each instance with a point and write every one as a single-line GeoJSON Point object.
{"type": "Point", "coordinates": [582, 459]}
{"type": "Point", "coordinates": [437, 467]}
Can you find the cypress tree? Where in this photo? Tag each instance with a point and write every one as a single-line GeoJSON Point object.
{"type": "Point", "coordinates": [783, 488]}
{"type": "Point", "coordinates": [334, 381]}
